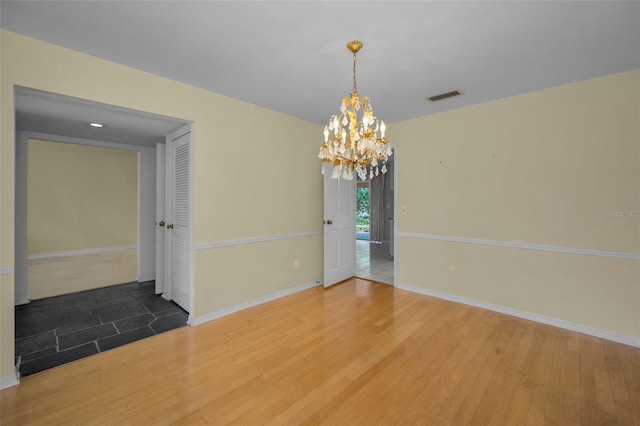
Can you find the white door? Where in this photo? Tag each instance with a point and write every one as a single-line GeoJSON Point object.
{"type": "Point", "coordinates": [339, 228]}
{"type": "Point", "coordinates": [160, 215]}
{"type": "Point", "coordinates": [178, 218]}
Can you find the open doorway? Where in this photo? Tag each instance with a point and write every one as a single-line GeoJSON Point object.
{"type": "Point", "coordinates": [86, 293]}
{"type": "Point", "coordinates": [363, 210]}
{"type": "Point", "coordinates": [374, 227]}
{"type": "Point", "coordinates": [71, 323]}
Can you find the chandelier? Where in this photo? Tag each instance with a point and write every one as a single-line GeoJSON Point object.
{"type": "Point", "coordinates": [354, 140]}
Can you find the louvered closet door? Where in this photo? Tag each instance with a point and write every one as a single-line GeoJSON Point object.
{"type": "Point", "coordinates": [181, 217]}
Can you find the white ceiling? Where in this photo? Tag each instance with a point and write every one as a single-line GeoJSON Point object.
{"type": "Point", "coordinates": [292, 57]}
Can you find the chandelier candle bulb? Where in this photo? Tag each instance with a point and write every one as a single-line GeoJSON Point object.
{"type": "Point", "coordinates": [358, 144]}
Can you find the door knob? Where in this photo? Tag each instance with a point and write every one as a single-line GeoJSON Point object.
{"type": "Point", "coordinates": [170, 226]}
{"type": "Point", "coordinates": [161, 223]}
{"type": "Point", "coordinates": [329, 222]}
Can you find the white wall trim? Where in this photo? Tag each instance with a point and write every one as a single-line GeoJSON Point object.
{"type": "Point", "coordinates": [568, 325]}
{"type": "Point", "coordinates": [242, 241]}
{"type": "Point", "coordinates": [81, 252]}
{"type": "Point", "coordinates": [9, 381]}
{"type": "Point", "coordinates": [396, 210]}
{"type": "Point", "coordinates": [146, 216]}
{"type": "Point", "coordinates": [529, 246]}
{"type": "Point", "coordinates": [20, 219]}
{"type": "Point", "coordinates": [251, 303]}
{"type": "Point", "coordinates": [6, 269]}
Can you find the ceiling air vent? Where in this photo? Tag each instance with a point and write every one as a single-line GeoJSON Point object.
{"type": "Point", "coordinates": [444, 96]}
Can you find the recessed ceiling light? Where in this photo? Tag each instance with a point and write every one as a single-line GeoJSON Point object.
{"type": "Point", "coordinates": [96, 125]}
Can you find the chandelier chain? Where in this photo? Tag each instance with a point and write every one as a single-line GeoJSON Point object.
{"type": "Point", "coordinates": [355, 86]}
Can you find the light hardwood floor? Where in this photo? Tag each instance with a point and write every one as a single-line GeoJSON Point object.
{"type": "Point", "coordinates": [358, 353]}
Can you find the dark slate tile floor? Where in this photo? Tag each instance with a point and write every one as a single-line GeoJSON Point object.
{"type": "Point", "coordinates": [61, 329]}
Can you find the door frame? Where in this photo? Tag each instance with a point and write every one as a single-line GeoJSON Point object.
{"type": "Point", "coordinates": [160, 215]}
{"type": "Point", "coordinates": [396, 209]}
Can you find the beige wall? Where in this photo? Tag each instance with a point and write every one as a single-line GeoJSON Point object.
{"type": "Point", "coordinates": [255, 172]}
{"type": "Point", "coordinates": [248, 272]}
{"type": "Point", "coordinates": [53, 276]}
{"type": "Point", "coordinates": [545, 168]}
{"type": "Point", "coordinates": [80, 197]}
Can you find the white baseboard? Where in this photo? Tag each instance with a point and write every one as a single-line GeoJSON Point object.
{"type": "Point", "coordinates": [251, 303]}
{"type": "Point", "coordinates": [568, 325]}
{"type": "Point", "coordinates": [9, 381]}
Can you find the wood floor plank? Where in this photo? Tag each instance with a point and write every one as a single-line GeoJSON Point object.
{"type": "Point", "coordinates": [470, 390]}
{"type": "Point", "coordinates": [627, 406]}
{"type": "Point", "coordinates": [513, 373]}
{"type": "Point", "coordinates": [506, 350]}
{"type": "Point", "coordinates": [360, 353]}
{"type": "Point", "coordinates": [541, 394]}
{"type": "Point", "coordinates": [571, 381]}
{"type": "Point", "coordinates": [553, 409]}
